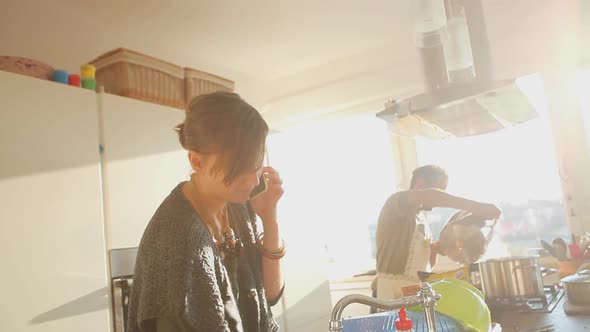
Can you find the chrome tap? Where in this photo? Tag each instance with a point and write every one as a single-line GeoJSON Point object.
{"type": "Point", "coordinates": [426, 298]}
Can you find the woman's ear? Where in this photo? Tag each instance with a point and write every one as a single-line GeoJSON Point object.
{"type": "Point", "coordinates": [197, 161]}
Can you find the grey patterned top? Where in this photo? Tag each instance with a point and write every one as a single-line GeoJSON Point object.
{"type": "Point", "coordinates": [180, 275]}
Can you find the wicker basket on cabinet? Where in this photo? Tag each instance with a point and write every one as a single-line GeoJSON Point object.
{"type": "Point", "coordinates": [131, 74]}
{"type": "Point", "coordinates": [200, 83]}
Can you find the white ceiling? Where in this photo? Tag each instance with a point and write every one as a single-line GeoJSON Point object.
{"type": "Point", "coordinates": [290, 58]}
{"type": "Point", "coordinates": [266, 39]}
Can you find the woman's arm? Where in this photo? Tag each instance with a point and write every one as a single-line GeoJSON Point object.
{"type": "Point", "coordinates": [265, 206]}
{"type": "Point", "coordinates": [271, 267]}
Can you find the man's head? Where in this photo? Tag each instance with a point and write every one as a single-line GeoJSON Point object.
{"type": "Point", "coordinates": [429, 176]}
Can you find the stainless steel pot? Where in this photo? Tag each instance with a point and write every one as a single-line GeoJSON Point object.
{"type": "Point", "coordinates": [577, 286]}
{"type": "Point", "coordinates": [511, 278]}
{"type": "Point", "coordinates": [462, 238]}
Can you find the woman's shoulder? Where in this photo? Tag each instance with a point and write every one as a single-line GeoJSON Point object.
{"type": "Point", "coordinates": [174, 205]}
{"type": "Point", "coordinates": [175, 245]}
{"type": "Point", "coordinates": [176, 223]}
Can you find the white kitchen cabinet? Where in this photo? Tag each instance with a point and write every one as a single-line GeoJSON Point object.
{"type": "Point", "coordinates": [51, 232]}
{"type": "Point", "coordinates": [142, 162]}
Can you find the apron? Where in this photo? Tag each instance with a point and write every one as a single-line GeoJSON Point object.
{"type": "Point", "coordinates": [392, 286]}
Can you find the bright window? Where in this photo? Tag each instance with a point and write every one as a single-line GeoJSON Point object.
{"type": "Point", "coordinates": [337, 176]}
{"type": "Point", "coordinates": [582, 84]}
{"type": "Point", "coordinates": [515, 169]}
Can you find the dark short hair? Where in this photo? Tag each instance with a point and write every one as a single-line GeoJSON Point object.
{"type": "Point", "coordinates": [429, 173]}
{"type": "Point", "coordinates": [224, 123]}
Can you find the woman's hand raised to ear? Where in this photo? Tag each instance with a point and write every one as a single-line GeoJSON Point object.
{"type": "Point", "coordinates": [265, 204]}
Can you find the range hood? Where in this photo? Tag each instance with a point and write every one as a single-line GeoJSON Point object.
{"type": "Point", "coordinates": [461, 97]}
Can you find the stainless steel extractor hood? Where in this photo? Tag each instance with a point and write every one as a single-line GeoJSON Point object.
{"type": "Point", "coordinates": [461, 97]}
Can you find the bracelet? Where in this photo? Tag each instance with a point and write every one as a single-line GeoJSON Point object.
{"type": "Point", "coordinates": [272, 256]}
{"type": "Point", "coordinates": [278, 254]}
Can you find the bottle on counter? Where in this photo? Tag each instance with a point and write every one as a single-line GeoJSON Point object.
{"type": "Point", "coordinates": [403, 323]}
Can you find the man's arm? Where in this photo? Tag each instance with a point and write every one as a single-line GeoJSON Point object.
{"type": "Point", "coordinates": [438, 198]}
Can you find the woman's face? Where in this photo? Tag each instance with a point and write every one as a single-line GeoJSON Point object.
{"type": "Point", "coordinates": [238, 191]}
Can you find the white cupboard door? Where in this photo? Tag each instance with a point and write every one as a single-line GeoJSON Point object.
{"type": "Point", "coordinates": [51, 232]}
{"type": "Point", "coordinates": [142, 162]}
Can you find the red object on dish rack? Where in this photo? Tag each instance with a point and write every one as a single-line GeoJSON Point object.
{"type": "Point", "coordinates": [403, 323]}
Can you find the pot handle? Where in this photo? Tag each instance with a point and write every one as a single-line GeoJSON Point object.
{"type": "Point", "coordinates": [582, 268]}
{"type": "Point", "coordinates": [522, 267]}
{"type": "Point", "coordinates": [492, 224]}
{"type": "Point", "coordinates": [490, 234]}
{"type": "Point", "coordinates": [547, 271]}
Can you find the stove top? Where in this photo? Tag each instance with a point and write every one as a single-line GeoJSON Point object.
{"type": "Point", "coordinates": [543, 304]}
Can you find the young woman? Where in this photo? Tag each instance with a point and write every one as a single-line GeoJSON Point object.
{"type": "Point", "coordinates": [204, 264]}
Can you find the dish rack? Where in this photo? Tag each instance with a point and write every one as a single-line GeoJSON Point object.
{"type": "Point", "coordinates": [385, 322]}
{"type": "Point", "coordinates": [425, 298]}
{"type": "Point", "coordinates": [425, 321]}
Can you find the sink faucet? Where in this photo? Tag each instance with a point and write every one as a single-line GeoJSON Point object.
{"type": "Point", "coordinates": [426, 298]}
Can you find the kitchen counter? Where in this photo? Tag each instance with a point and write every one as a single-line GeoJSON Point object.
{"type": "Point", "coordinates": [514, 321]}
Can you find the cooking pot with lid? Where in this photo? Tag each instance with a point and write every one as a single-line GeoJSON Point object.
{"type": "Point", "coordinates": [511, 278]}
{"type": "Point", "coordinates": [577, 286]}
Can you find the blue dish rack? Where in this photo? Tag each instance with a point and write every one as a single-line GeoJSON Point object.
{"type": "Point", "coordinates": [385, 322]}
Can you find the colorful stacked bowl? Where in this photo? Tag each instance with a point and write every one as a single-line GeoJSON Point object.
{"type": "Point", "coordinates": [88, 76]}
